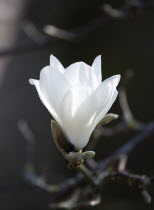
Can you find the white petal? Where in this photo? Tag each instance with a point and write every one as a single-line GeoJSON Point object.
{"type": "Point", "coordinates": [54, 62]}
{"type": "Point", "coordinates": [53, 86]}
{"type": "Point", "coordinates": [72, 72]}
{"type": "Point", "coordinates": [101, 114]}
{"type": "Point", "coordinates": [79, 94]}
{"type": "Point", "coordinates": [74, 127]}
{"type": "Point", "coordinates": [44, 99]}
{"type": "Point", "coordinates": [110, 93]}
{"type": "Point", "coordinates": [87, 109]}
{"type": "Point", "coordinates": [95, 107]}
{"type": "Point", "coordinates": [97, 69]}
{"type": "Point", "coordinates": [80, 126]}
{"type": "Point", "coordinates": [97, 99]}
{"type": "Point", "coordinates": [105, 90]}
{"type": "Point", "coordinates": [74, 98]}
{"type": "Point", "coordinates": [80, 74]}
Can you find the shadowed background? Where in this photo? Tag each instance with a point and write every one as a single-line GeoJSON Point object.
{"type": "Point", "coordinates": [124, 44]}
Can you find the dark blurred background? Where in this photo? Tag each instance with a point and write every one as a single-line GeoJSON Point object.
{"type": "Point", "coordinates": [125, 43]}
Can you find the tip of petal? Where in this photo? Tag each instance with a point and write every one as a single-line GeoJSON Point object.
{"type": "Point", "coordinates": [53, 58]}
{"type": "Point", "coordinates": [116, 78]}
{"type": "Point", "coordinates": [54, 62]}
{"type": "Point", "coordinates": [98, 58]}
{"type": "Point", "coordinates": [31, 81]}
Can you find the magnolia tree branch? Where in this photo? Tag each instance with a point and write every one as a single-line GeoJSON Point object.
{"type": "Point", "coordinates": [101, 175]}
{"type": "Point", "coordinates": [66, 194]}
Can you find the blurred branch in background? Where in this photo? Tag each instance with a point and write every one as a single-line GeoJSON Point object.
{"type": "Point", "coordinates": [30, 139]}
{"type": "Point", "coordinates": [11, 12]}
{"type": "Point", "coordinates": [46, 37]}
{"type": "Point", "coordinates": [78, 34]}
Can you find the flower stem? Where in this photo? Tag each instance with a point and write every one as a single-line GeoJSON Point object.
{"type": "Point", "coordinates": [88, 174]}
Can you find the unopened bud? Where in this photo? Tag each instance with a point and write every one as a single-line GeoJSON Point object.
{"type": "Point", "coordinates": [108, 118]}
{"type": "Point", "coordinates": [75, 159]}
{"type": "Point", "coordinates": [88, 154]}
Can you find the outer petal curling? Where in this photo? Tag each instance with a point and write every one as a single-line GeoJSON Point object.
{"type": "Point", "coordinates": [44, 99]}
{"type": "Point", "coordinates": [110, 85]}
{"type": "Point", "coordinates": [54, 93]}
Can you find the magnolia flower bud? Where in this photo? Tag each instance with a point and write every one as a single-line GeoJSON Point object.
{"type": "Point", "coordinates": [108, 118]}
{"type": "Point", "coordinates": [76, 97]}
{"type": "Point", "coordinates": [88, 154]}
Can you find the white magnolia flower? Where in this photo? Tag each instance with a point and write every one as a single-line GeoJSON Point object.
{"type": "Point", "coordinates": [76, 97]}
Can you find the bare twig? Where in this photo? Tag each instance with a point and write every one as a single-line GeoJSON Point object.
{"type": "Point", "coordinates": [122, 163]}
{"type": "Point", "coordinates": [88, 174]}
{"type": "Point", "coordinates": [129, 146]}
{"type": "Point", "coordinates": [30, 140]}
{"type": "Point", "coordinates": [128, 116]}
{"type": "Point", "coordinates": [70, 203]}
